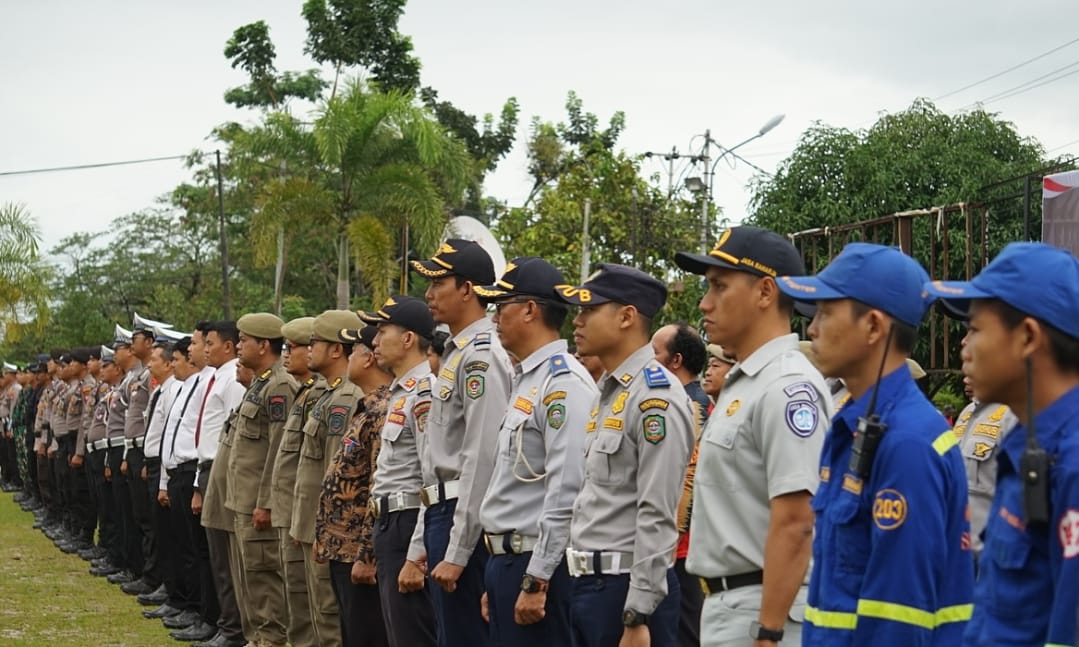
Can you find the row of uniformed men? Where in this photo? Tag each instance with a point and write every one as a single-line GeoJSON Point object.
{"type": "Point", "coordinates": [885, 489]}
{"type": "Point", "coordinates": [490, 513]}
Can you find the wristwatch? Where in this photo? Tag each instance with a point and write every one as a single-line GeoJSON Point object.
{"type": "Point", "coordinates": [760, 632]}
{"type": "Point", "coordinates": [631, 618]}
{"type": "Point", "coordinates": [530, 584]}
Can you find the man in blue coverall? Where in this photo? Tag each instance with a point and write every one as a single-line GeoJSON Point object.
{"type": "Point", "coordinates": [891, 557]}
{"type": "Point", "coordinates": [1024, 325]}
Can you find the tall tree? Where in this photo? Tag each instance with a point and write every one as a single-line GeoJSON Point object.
{"type": "Point", "coordinates": [251, 49]}
{"type": "Point", "coordinates": [24, 275]}
{"type": "Point", "coordinates": [393, 170]}
{"type": "Point", "coordinates": [362, 33]}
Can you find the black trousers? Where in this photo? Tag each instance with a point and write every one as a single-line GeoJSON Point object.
{"type": "Point", "coordinates": [130, 543]}
{"type": "Point", "coordinates": [409, 617]}
{"type": "Point", "coordinates": [164, 532]}
{"type": "Point", "coordinates": [187, 532]}
{"type": "Point", "coordinates": [65, 448]}
{"type": "Point", "coordinates": [689, 618]}
{"type": "Point", "coordinates": [141, 514]}
{"type": "Point", "coordinates": [31, 486]}
{"type": "Point", "coordinates": [108, 532]}
{"type": "Point", "coordinates": [9, 468]}
{"type": "Point", "coordinates": [360, 610]}
{"type": "Point", "coordinates": [80, 505]}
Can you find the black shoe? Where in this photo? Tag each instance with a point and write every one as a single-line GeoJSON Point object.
{"type": "Point", "coordinates": [101, 561]}
{"type": "Point", "coordinates": [163, 611]}
{"type": "Point", "coordinates": [104, 570]}
{"type": "Point", "coordinates": [123, 577]}
{"type": "Point", "coordinates": [138, 587]}
{"type": "Point", "coordinates": [69, 548]}
{"type": "Point", "coordinates": [20, 497]}
{"type": "Point", "coordinates": [198, 631]}
{"type": "Point", "coordinates": [92, 553]}
{"type": "Point", "coordinates": [154, 598]}
{"type": "Point", "coordinates": [218, 640]}
{"type": "Point", "coordinates": [182, 621]}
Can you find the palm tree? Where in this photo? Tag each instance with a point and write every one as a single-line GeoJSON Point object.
{"type": "Point", "coordinates": [24, 276]}
{"type": "Point", "coordinates": [392, 168]}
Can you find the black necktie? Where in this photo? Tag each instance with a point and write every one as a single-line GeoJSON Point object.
{"type": "Point", "coordinates": [182, 410]}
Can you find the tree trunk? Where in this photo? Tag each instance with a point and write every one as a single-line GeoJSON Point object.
{"type": "Point", "coordinates": [279, 271]}
{"type": "Point", "coordinates": [342, 271]}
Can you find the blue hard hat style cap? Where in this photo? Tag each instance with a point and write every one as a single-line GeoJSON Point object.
{"type": "Point", "coordinates": [1034, 278]}
{"type": "Point", "coordinates": [620, 284]}
{"type": "Point", "coordinates": [880, 277]}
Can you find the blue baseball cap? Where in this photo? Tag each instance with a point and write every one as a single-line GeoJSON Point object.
{"type": "Point", "coordinates": [880, 277]}
{"type": "Point", "coordinates": [1034, 278]}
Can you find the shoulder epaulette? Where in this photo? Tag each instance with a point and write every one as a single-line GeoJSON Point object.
{"type": "Point", "coordinates": [558, 364]}
{"type": "Point", "coordinates": [424, 387]}
{"type": "Point", "coordinates": [266, 374]}
{"type": "Point", "coordinates": [655, 376]}
{"type": "Point", "coordinates": [482, 339]}
{"type": "Point", "coordinates": [409, 384]}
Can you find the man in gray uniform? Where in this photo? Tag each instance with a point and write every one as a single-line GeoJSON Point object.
{"type": "Point", "coordinates": [540, 461]}
{"type": "Point", "coordinates": [138, 395]}
{"type": "Point", "coordinates": [117, 430]}
{"type": "Point", "coordinates": [752, 524]}
{"type": "Point", "coordinates": [405, 328]}
{"type": "Point", "coordinates": [469, 396]}
{"type": "Point", "coordinates": [297, 334]}
{"type": "Point", "coordinates": [638, 444]}
{"type": "Point", "coordinates": [980, 427]}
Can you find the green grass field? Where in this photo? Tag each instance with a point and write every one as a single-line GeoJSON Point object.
{"type": "Point", "coordinates": [49, 598]}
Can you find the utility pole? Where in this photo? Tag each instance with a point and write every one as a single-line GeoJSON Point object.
{"type": "Point", "coordinates": [707, 193]}
{"type": "Point", "coordinates": [226, 297]}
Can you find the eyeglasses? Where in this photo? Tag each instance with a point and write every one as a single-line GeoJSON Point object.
{"type": "Point", "coordinates": [503, 304]}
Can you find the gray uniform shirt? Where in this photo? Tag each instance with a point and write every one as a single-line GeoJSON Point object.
{"type": "Point", "coordinates": [763, 440]}
{"type": "Point", "coordinates": [980, 427]}
{"type": "Point", "coordinates": [540, 462]}
{"type": "Point", "coordinates": [469, 398]}
{"type": "Point", "coordinates": [637, 447]}
{"type": "Point", "coordinates": [100, 417]}
{"type": "Point", "coordinates": [398, 466]}
{"type": "Point", "coordinates": [58, 409]}
{"type": "Point", "coordinates": [138, 398]}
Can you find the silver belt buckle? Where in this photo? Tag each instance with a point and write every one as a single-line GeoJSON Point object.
{"type": "Point", "coordinates": [582, 563]}
{"type": "Point", "coordinates": [517, 542]}
{"type": "Point", "coordinates": [376, 507]}
{"type": "Point", "coordinates": [425, 497]}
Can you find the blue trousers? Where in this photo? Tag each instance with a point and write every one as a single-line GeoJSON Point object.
{"type": "Point", "coordinates": [457, 614]}
{"type": "Point", "coordinates": [597, 605]}
{"type": "Point", "coordinates": [503, 579]}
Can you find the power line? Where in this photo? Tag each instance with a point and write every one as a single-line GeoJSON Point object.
{"type": "Point", "coordinates": [80, 167]}
{"type": "Point", "coordinates": [1010, 69]}
{"type": "Point", "coordinates": [1029, 83]}
{"type": "Point", "coordinates": [1074, 141]}
{"type": "Point", "coordinates": [1024, 90]}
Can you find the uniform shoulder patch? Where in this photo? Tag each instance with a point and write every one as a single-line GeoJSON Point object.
{"type": "Point", "coordinates": [889, 509]}
{"type": "Point", "coordinates": [982, 451]}
{"type": "Point", "coordinates": [556, 416]}
{"type": "Point", "coordinates": [802, 387]}
{"type": "Point", "coordinates": [655, 428]}
{"type": "Point", "coordinates": [476, 367]}
{"type": "Point", "coordinates": [266, 374]}
{"type": "Point", "coordinates": [558, 364]}
{"type": "Point", "coordinates": [482, 339]}
{"type": "Point", "coordinates": [338, 419]}
{"type": "Point", "coordinates": [654, 403]}
{"type": "Point", "coordinates": [409, 384]}
{"type": "Point", "coordinates": [554, 395]}
{"type": "Point", "coordinates": [802, 417]}
{"type": "Point", "coordinates": [474, 386]}
{"type": "Point", "coordinates": [1068, 530]}
{"type": "Point", "coordinates": [654, 376]}
{"type": "Point", "coordinates": [419, 412]}
{"type": "Point", "coordinates": [278, 410]}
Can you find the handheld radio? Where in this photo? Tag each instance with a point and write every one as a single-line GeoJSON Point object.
{"type": "Point", "coordinates": [1034, 466]}
{"type": "Point", "coordinates": [870, 429]}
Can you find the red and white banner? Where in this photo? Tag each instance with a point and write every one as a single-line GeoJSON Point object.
{"type": "Point", "coordinates": [1060, 210]}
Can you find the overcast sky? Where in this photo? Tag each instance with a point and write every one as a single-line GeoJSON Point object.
{"type": "Point", "coordinates": [88, 82]}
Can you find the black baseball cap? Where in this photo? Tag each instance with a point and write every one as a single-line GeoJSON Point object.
{"type": "Point", "coordinates": [524, 276]}
{"type": "Point", "coordinates": [80, 355]}
{"type": "Point", "coordinates": [747, 249]}
{"type": "Point", "coordinates": [456, 256]}
{"type": "Point", "coordinates": [365, 336]}
{"type": "Point", "coordinates": [408, 312]}
{"type": "Point", "coordinates": [620, 284]}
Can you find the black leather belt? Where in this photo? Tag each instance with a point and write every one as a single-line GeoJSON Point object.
{"type": "Point", "coordinates": [205, 466]}
{"type": "Point", "coordinates": [719, 584]}
{"type": "Point", "coordinates": [188, 466]}
{"type": "Point", "coordinates": [153, 461]}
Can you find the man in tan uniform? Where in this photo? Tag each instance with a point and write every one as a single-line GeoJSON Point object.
{"type": "Point", "coordinates": [250, 470]}
{"type": "Point", "coordinates": [297, 334]}
{"type": "Point", "coordinates": [322, 435]}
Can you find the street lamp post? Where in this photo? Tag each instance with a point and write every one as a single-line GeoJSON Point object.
{"type": "Point", "coordinates": [706, 183]}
